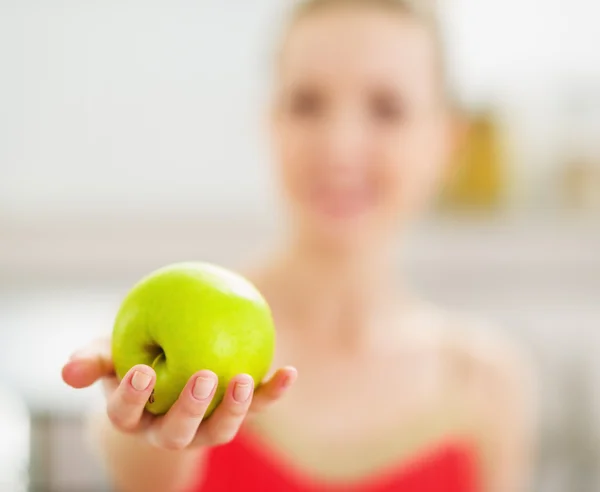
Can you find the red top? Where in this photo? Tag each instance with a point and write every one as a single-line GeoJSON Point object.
{"type": "Point", "coordinates": [246, 465]}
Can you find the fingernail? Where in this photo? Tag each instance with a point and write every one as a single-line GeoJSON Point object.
{"type": "Point", "coordinates": [287, 381]}
{"type": "Point", "coordinates": [203, 387]}
{"type": "Point", "coordinates": [140, 381]}
{"type": "Point", "coordinates": [241, 392]}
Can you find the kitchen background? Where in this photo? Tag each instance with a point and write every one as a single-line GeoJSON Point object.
{"type": "Point", "coordinates": [131, 136]}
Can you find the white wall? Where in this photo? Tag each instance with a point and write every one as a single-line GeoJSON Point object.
{"type": "Point", "coordinates": [111, 105]}
{"type": "Point", "coordinates": [510, 47]}
{"type": "Point", "coordinates": [117, 107]}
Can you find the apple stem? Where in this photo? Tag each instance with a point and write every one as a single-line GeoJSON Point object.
{"type": "Point", "coordinates": [158, 357]}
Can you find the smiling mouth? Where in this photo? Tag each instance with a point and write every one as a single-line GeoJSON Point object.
{"type": "Point", "coordinates": [342, 205]}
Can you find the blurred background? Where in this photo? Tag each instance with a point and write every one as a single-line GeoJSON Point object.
{"type": "Point", "coordinates": [132, 135]}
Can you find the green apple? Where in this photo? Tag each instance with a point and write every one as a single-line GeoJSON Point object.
{"type": "Point", "coordinates": [192, 316]}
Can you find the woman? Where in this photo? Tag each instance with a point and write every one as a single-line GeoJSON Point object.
{"type": "Point", "coordinates": [394, 394]}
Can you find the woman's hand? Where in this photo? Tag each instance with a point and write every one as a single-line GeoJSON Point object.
{"type": "Point", "coordinates": [181, 427]}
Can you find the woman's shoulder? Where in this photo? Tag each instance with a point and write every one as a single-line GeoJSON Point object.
{"type": "Point", "coordinates": [484, 349]}
{"type": "Point", "coordinates": [476, 354]}
{"type": "Point", "coordinates": [494, 371]}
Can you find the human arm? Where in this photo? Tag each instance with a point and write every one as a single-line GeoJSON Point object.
{"type": "Point", "coordinates": [146, 453]}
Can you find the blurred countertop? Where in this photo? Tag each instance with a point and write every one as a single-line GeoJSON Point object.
{"type": "Point", "coordinates": [97, 249]}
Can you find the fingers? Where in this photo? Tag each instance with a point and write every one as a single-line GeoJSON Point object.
{"type": "Point", "coordinates": [89, 364]}
{"type": "Point", "coordinates": [227, 418]}
{"type": "Point", "coordinates": [125, 405]}
{"type": "Point", "coordinates": [273, 389]}
{"type": "Point", "coordinates": [181, 426]}
{"type": "Point", "coordinates": [178, 428]}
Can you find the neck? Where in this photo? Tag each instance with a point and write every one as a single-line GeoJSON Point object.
{"type": "Point", "coordinates": [345, 292]}
{"type": "Point", "coordinates": [342, 273]}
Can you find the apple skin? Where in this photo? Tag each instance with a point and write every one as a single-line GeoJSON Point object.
{"type": "Point", "coordinates": [188, 317]}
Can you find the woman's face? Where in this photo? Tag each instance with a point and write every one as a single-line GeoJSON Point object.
{"type": "Point", "coordinates": [360, 133]}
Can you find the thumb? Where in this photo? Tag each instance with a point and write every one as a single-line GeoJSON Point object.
{"type": "Point", "coordinates": [88, 365]}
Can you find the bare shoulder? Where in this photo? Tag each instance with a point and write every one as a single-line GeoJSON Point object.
{"type": "Point", "coordinates": [484, 349]}
{"type": "Point", "coordinates": [493, 372]}
{"type": "Point", "coordinates": [495, 385]}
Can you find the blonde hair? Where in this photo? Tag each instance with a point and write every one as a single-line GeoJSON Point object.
{"type": "Point", "coordinates": [423, 11]}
